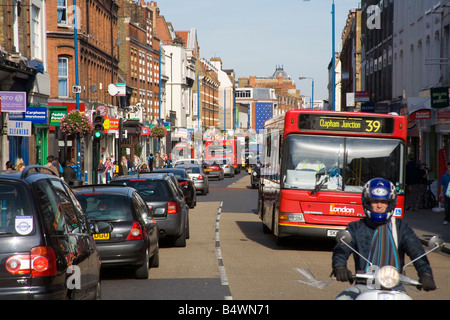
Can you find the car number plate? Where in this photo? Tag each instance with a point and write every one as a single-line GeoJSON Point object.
{"type": "Point", "coordinates": [101, 236]}
{"type": "Point", "coordinates": [332, 233]}
{"type": "Point", "coordinates": [206, 170]}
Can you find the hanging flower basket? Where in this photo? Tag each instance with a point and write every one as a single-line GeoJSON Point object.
{"type": "Point", "coordinates": [158, 132]}
{"type": "Point", "coordinates": [75, 122]}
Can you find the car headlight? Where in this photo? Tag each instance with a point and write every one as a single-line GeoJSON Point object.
{"type": "Point", "coordinates": [255, 174]}
{"type": "Point", "coordinates": [388, 277]}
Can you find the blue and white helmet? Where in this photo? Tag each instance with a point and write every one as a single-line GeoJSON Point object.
{"type": "Point", "coordinates": [382, 190]}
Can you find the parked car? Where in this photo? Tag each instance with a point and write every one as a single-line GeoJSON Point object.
{"type": "Point", "coordinates": [134, 239]}
{"type": "Point", "coordinates": [167, 205]}
{"type": "Point", "coordinates": [186, 185]}
{"type": "Point", "coordinates": [46, 248]}
{"type": "Point", "coordinates": [213, 168]}
{"type": "Point", "coordinates": [196, 173]}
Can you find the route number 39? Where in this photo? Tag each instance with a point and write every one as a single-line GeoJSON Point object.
{"type": "Point", "coordinates": [373, 126]}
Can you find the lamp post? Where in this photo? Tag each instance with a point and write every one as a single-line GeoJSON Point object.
{"type": "Point", "coordinates": [312, 89]}
{"type": "Point", "coordinates": [77, 81]}
{"type": "Point", "coordinates": [333, 58]}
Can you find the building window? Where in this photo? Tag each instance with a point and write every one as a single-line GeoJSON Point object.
{"type": "Point", "coordinates": [63, 77]}
{"type": "Point", "coordinates": [61, 7]}
{"type": "Point", "coordinates": [36, 32]}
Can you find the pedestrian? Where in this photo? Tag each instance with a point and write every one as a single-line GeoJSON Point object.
{"type": "Point", "coordinates": [136, 161]}
{"type": "Point", "coordinates": [100, 171]}
{"type": "Point", "coordinates": [412, 184]}
{"type": "Point", "coordinates": [19, 161]}
{"type": "Point", "coordinates": [50, 165]}
{"type": "Point", "coordinates": [143, 168]}
{"type": "Point", "coordinates": [9, 165]}
{"type": "Point", "coordinates": [124, 165]}
{"type": "Point", "coordinates": [109, 169]}
{"type": "Point", "coordinates": [150, 162]}
{"type": "Point", "coordinates": [69, 173]}
{"type": "Point", "coordinates": [58, 166]}
{"type": "Point", "coordinates": [158, 161]}
{"type": "Point", "coordinates": [444, 192]}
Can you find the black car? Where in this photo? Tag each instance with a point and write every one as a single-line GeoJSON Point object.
{"type": "Point", "coordinates": [185, 183]}
{"type": "Point", "coordinates": [166, 202]}
{"type": "Point", "coordinates": [46, 248]}
{"type": "Point", "coordinates": [134, 239]}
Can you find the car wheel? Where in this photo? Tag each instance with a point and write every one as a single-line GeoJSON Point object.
{"type": "Point", "coordinates": [142, 271]}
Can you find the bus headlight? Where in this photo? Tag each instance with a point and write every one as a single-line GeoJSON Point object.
{"type": "Point", "coordinates": [388, 277]}
{"type": "Point", "coordinates": [293, 217]}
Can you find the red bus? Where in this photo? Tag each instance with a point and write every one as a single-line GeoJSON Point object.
{"type": "Point", "coordinates": [315, 164]}
{"type": "Point", "coordinates": [224, 149]}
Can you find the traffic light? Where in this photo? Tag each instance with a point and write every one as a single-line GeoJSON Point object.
{"type": "Point", "coordinates": [98, 126]}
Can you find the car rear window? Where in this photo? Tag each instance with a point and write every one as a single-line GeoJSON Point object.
{"type": "Point", "coordinates": [103, 206]}
{"type": "Point", "coordinates": [150, 190]}
{"type": "Point", "coordinates": [192, 169]}
{"type": "Point", "coordinates": [16, 215]}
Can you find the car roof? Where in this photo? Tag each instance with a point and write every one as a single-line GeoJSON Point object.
{"type": "Point", "coordinates": [145, 175]}
{"type": "Point", "coordinates": [30, 174]}
{"type": "Point", "coordinates": [169, 170]}
{"type": "Point", "coordinates": [108, 188]}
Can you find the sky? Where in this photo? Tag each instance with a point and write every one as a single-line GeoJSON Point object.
{"type": "Point", "coordinates": [253, 37]}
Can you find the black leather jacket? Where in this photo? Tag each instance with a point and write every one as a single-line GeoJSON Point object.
{"type": "Point", "coordinates": [362, 232]}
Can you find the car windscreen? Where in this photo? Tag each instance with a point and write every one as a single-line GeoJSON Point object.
{"type": "Point", "coordinates": [150, 190]}
{"type": "Point", "coordinates": [105, 206]}
{"type": "Point", "coordinates": [16, 215]}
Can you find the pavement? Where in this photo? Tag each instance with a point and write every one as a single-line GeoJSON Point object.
{"type": "Point", "coordinates": [427, 223]}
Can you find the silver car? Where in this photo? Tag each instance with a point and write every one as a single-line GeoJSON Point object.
{"type": "Point", "coordinates": [196, 173]}
{"type": "Point", "coordinates": [227, 167]}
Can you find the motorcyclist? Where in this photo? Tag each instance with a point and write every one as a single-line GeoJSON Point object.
{"type": "Point", "coordinates": [381, 238]}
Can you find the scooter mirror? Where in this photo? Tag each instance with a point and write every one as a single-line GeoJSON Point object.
{"type": "Point", "coordinates": [435, 242]}
{"type": "Point", "coordinates": [343, 236]}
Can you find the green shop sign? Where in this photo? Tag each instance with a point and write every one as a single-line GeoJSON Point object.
{"type": "Point", "coordinates": [439, 97]}
{"type": "Point", "coordinates": [56, 114]}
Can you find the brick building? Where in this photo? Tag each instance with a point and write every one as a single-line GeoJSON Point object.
{"type": "Point", "coordinates": [98, 56]}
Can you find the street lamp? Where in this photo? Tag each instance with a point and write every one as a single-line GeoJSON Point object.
{"type": "Point", "coordinates": [312, 94]}
{"type": "Point", "coordinates": [333, 59]}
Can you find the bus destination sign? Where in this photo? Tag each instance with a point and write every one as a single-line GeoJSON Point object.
{"type": "Point", "coordinates": [339, 123]}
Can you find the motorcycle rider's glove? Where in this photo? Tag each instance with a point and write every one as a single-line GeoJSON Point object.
{"type": "Point", "coordinates": [427, 281]}
{"type": "Point", "coordinates": [343, 274]}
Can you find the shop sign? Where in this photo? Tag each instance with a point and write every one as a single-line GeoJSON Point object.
{"type": "Point", "coordinates": [36, 115]}
{"type": "Point", "coordinates": [56, 115]}
{"type": "Point", "coordinates": [19, 128]}
{"type": "Point", "coordinates": [13, 101]}
{"type": "Point", "coordinates": [111, 124]}
{"type": "Point", "coordinates": [145, 131]}
{"type": "Point", "coordinates": [439, 97]}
